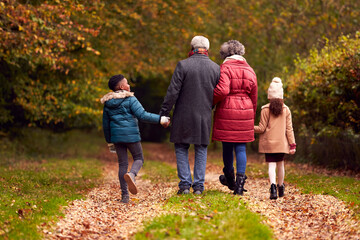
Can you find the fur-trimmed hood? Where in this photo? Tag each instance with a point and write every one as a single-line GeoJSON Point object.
{"type": "Point", "coordinates": [116, 95]}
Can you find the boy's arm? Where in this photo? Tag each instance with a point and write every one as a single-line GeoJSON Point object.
{"type": "Point", "coordinates": [140, 113]}
{"type": "Point", "coordinates": [106, 126]}
{"type": "Point", "coordinates": [264, 119]}
{"type": "Point", "coordinates": [173, 91]}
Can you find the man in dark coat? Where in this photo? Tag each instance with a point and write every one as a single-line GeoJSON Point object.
{"type": "Point", "coordinates": [191, 91]}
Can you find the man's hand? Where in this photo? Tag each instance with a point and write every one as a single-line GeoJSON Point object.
{"type": "Point", "coordinates": [165, 121]}
{"type": "Point", "coordinates": [165, 125]}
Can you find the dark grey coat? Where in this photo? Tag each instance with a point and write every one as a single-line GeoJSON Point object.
{"type": "Point", "coordinates": [191, 90]}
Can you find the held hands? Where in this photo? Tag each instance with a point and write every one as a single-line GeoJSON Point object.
{"type": "Point", "coordinates": [165, 121]}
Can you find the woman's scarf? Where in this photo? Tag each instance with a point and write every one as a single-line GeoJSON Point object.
{"type": "Point", "coordinates": [199, 51]}
{"type": "Point", "coordinates": [235, 57]}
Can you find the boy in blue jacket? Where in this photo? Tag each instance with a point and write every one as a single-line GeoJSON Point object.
{"type": "Point", "coordinates": [120, 124]}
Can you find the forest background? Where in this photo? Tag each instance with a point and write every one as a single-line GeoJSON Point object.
{"type": "Point", "coordinates": [57, 56]}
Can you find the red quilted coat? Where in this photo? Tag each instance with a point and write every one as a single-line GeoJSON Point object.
{"type": "Point", "coordinates": [235, 97]}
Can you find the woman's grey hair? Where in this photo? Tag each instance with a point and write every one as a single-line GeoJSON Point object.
{"type": "Point", "coordinates": [230, 48]}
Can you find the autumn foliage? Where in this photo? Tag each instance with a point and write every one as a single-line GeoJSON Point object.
{"type": "Point", "coordinates": [56, 56]}
{"type": "Point", "coordinates": [43, 76]}
{"type": "Point", "coordinates": [324, 91]}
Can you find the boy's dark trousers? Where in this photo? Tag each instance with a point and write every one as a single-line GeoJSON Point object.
{"type": "Point", "coordinates": [137, 154]}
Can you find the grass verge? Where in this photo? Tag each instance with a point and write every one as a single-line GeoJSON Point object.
{"type": "Point", "coordinates": [33, 144]}
{"type": "Point", "coordinates": [31, 195]}
{"type": "Point", "coordinates": [213, 215]}
{"type": "Point", "coordinates": [37, 179]}
{"type": "Point", "coordinates": [159, 172]}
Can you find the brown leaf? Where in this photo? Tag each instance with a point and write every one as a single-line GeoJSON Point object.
{"type": "Point", "coordinates": [20, 213]}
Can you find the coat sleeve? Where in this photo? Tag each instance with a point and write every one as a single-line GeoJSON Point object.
{"type": "Point", "coordinates": [222, 89]}
{"type": "Point", "coordinates": [289, 128]}
{"type": "Point", "coordinates": [254, 95]}
{"type": "Point", "coordinates": [139, 112]}
{"type": "Point", "coordinates": [106, 126]}
{"type": "Point", "coordinates": [173, 90]}
{"type": "Point", "coordinates": [264, 119]}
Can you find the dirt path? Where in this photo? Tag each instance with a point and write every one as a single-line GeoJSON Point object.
{"type": "Point", "coordinates": [302, 216]}
{"type": "Point", "coordinates": [102, 216]}
{"type": "Point", "coordinates": [295, 216]}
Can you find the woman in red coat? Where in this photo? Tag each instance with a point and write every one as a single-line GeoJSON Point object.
{"type": "Point", "coordinates": [235, 97]}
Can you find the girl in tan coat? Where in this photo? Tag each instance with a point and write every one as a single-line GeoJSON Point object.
{"type": "Point", "coordinates": [276, 135]}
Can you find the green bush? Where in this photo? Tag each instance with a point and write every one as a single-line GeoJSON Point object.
{"type": "Point", "coordinates": [35, 144]}
{"type": "Point", "coordinates": [325, 102]}
{"type": "Point", "coordinates": [342, 151]}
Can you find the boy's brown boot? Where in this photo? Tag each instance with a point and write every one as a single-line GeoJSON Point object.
{"type": "Point", "coordinates": [130, 180]}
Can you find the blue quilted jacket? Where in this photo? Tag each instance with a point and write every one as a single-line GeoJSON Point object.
{"type": "Point", "coordinates": [120, 117]}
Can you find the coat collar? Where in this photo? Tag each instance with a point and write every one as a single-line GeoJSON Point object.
{"type": "Point", "coordinates": [235, 57]}
{"type": "Point", "coordinates": [268, 105]}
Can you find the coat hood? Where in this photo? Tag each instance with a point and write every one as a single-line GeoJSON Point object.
{"type": "Point", "coordinates": [237, 63]}
{"type": "Point", "coordinates": [235, 57]}
{"type": "Point", "coordinates": [110, 99]}
{"type": "Point", "coordinates": [116, 95]}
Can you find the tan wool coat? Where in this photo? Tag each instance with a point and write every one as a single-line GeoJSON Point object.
{"type": "Point", "coordinates": [276, 133]}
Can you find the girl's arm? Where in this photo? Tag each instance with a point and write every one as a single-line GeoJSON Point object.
{"type": "Point", "coordinates": [264, 119]}
{"type": "Point", "coordinates": [290, 132]}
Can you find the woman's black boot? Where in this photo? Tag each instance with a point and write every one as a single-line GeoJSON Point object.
{"type": "Point", "coordinates": [273, 191]}
{"type": "Point", "coordinates": [228, 179]}
{"type": "Point", "coordinates": [239, 185]}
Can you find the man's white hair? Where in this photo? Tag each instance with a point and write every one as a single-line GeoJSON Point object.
{"type": "Point", "coordinates": [200, 42]}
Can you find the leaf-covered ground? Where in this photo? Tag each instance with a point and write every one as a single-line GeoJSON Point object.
{"type": "Point", "coordinates": [295, 216]}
